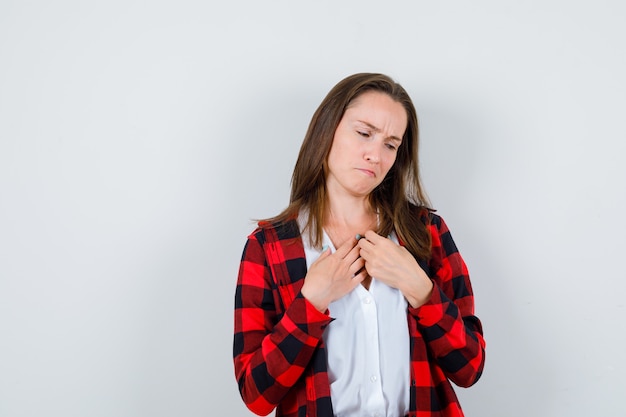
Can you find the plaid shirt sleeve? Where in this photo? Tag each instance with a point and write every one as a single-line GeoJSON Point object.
{"type": "Point", "coordinates": [452, 333]}
{"type": "Point", "coordinates": [271, 347]}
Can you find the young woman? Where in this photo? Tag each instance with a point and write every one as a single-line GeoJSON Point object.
{"type": "Point", "coordinates": [354, 301]}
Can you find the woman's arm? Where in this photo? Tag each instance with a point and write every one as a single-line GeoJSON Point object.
{"type": "Point", "coordinates": [446, 321]}
{"type": "Point", "coordinates": [270, 352]}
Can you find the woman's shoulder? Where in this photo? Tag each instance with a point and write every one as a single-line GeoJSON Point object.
{"type": "Point", "coordinates": [434, 222]}
{"type": "Point", "coordinates": [276, 229]}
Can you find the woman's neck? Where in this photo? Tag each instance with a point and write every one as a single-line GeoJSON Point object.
{"type": "Point", "coordinates": [346, 217]}
{"type": "Point", "coordinates": [346, 209]}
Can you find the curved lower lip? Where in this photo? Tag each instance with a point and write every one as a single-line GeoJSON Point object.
{"type": "Point", "coordinates": [367, 172]}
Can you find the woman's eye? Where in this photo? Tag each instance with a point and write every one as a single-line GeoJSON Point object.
{"type": "Point", "coordinates": [364, 134]}
{"type": "Point", "coordinates": [390, 146]}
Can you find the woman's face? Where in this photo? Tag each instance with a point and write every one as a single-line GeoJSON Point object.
{"type": "Point", "coordinates": [365, 144]}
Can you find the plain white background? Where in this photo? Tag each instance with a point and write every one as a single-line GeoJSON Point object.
{"type": "Point", "coordinates": [138, 140]}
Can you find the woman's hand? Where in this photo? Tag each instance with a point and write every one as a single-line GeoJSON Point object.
{"type": "Point", "coordinates": [395, 266]}
{"type": "Point", "coordinates": [334, 275]}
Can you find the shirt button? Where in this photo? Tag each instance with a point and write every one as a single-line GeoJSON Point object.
{"type": "Point", "coordinates": [367, 300]}
{"type": "Point", "coordinates": [373, 378]}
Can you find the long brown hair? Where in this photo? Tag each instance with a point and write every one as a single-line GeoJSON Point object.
{"type": "Point", "coordinates": [399, 200]}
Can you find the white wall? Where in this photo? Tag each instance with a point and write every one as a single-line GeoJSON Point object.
{"type": "Point", "coordinates": [138, 139]}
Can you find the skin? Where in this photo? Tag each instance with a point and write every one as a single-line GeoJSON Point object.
{"type": "Point", "coordinates": [363, 151]}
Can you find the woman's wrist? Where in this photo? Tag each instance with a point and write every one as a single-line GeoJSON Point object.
{"type": "Point", "coordinates": [419, 293]}
{"type": "Point", "coordinates": [319, 305]}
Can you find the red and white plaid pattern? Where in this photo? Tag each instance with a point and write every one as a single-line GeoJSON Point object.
{"type": "Point", "coordinates": [279, 354]}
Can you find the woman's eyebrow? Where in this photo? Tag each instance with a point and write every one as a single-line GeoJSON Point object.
{"type": "Point", "coordinates": [375, 129]}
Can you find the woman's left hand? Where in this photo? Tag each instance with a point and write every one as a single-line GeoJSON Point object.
{"type": "Point", "coordinates": [394, 265]}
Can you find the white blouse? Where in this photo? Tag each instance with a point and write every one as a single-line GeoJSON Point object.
{"type": "Point", "coordinates": [367, 348]}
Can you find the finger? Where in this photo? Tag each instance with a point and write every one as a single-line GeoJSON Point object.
{"type": "Point", "coordinates": [353, 253]}
{"type": "Point", "coordinates": [357, 266]}
{"type": "Point", "coordinates": [373, 237]}
{"type": "Point", "coordinates": [326, 252]}
{"type": "Point", "coordinates": [368, 249]}
{"type": "Point", "coordinates": [359, 277]}
{"type": "Point", "coordinates": [345, 249]}
{"type": "Point", "coordinates": [365, 244]}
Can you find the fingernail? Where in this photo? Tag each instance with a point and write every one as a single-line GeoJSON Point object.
{"type": "Point", "coordinates": [358, 236]}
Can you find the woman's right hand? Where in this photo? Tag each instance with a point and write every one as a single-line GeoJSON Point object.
{"type": "Point", "coordinates": [334, 275]}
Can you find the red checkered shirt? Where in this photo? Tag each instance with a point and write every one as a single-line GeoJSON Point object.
{"type": "Point", "coordinates": [279, 353]}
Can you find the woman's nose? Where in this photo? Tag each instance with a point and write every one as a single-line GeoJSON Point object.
{"type": "Point", "coordinates": [372, 152]}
